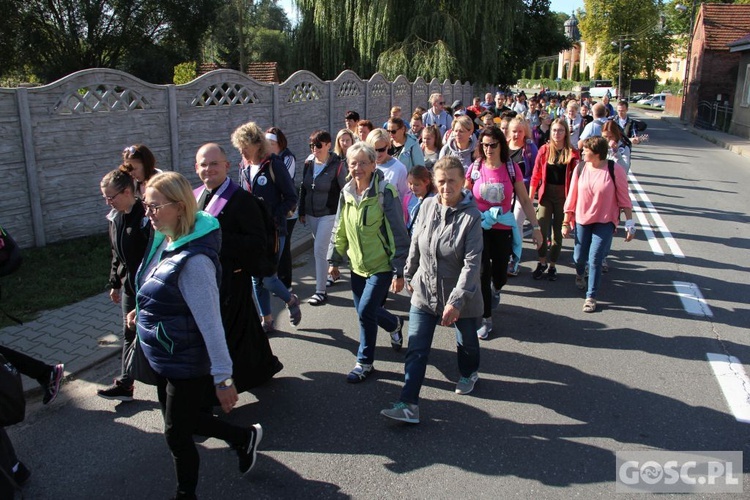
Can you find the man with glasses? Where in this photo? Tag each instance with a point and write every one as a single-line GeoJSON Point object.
{"type": "Point", "coordinates": [404, 146]}
{"type": "Point", "coordinates": [243, 238]}
{"type": "Point", "coordinates": [436, 115]}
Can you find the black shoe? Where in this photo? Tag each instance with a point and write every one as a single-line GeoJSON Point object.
{"type": "Point", "coordinates": [397, 338]}
{"type": "Point", "coordinates": [22, 474]}
{"type": "Point", "coordinates": [249, 450]}
{"type": "Point", "coordinates": [552, 274]}
{"type": "Point", "coordinates": [116, 391]}
{"type": "Point", "coordinates": [539, 271]}
{"type": "Point", "coordinates": [52, 387]}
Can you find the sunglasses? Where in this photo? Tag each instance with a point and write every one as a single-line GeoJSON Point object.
{"type": "Point", "coordinates": [441, 102]}
{"type": "Point", "coordinates": [316, 145]}
{"type": "Point", "coordinates": [382, 150]}
{"type": "Point", "coordinates": [154, 209]}
{"type": "Point", "coordinates": [491, 145]}
{"type": "Point", "coordinates": [130, 150]}
{"type": "Point", "coordinates": [393, 131]}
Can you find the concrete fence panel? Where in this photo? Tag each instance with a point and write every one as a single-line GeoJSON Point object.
{"type": "Point", "coordinates": [59, 140]}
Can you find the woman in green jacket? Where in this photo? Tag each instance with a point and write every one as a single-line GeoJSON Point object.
{"type": "Point", "coordinates": [371, 232]}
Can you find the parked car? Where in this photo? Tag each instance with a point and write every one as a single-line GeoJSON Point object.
{"type": "Point", "coordinates": [637, 97]}
{"type": "Point", "coordinates": [656, 100]}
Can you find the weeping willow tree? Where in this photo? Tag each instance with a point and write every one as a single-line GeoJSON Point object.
{"type": "Point", "coordinates": [434, 38]}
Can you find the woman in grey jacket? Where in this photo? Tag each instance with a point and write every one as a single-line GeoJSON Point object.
{"type": "Point", "coordinates": [323, 176]}
{"type": "Point", "coordinates": [443, 275]}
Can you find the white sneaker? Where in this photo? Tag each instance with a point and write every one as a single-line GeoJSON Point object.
{"type": "Point", "coordinates": [486, 328]}
{"type": "Point", "coordinates": [466, 384]}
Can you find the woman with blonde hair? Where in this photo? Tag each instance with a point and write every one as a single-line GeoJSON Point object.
{"type": "Point", "coordinates": [551, 178]}
{"type": "Point", "coordinates": [179, 327]}
{"type": "Point", "coordinates": [462, 141]}
{"type": "Point", "coordinates": [523, 152]}
{"type": "Point", "coordinates": [265, 175]}
{"type": "Point", "coordinates": [344, 140]}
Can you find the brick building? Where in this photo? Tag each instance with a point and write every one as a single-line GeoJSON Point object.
{"type": "Point", "coordinates": [713, 68]}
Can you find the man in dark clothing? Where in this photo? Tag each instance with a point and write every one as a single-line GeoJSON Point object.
{"type": "Point", "coordinates": [243, 239]}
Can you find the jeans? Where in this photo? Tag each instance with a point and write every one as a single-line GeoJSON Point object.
{"type": "Point", "coordinates": [262, 288]}
{"type": "Point", "coordinates": [285, 262]}
{"type": "Point", "coordinates": [369, 294]}
{"type": "Point", "coordinates": [322, 227]}
{"type": "Point", "coordinates": [498, 245]}
{"type": "Point", "coordinates": [592, 243]}
{"type": "Point", "coordinates": [181, 403]}
{"type": "Point", "coordinates": [421, 331]}
{"type": "Point", "coordinates": [127, 302]}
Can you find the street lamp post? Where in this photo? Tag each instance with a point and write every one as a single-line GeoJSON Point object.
{"type": "Point", "coordinates": [621, 48]}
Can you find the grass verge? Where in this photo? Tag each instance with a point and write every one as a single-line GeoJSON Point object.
{"type": "Point", "coordinates": [56, 275]}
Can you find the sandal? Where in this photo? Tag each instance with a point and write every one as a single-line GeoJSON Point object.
{"type": "Point", "coordinates": [295, 315]}
{"type": "Point", "coordinates": [589, 305]}
{"type": "Point", "coordinates": [268, 327]}
{"type": "Point", "coordinates": [318, 299]}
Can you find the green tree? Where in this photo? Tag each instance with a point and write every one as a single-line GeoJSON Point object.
{"type": "Point", "coordinates": [586, 75]}
{"type": "Point", "coordinates": [606, 23]}
{"type": "Point", "coordinates": [576, 73]}
{"type": "Point", "coordinates": [534, 71]}
{"type": "Point", "coordinates": [482, 41]}
{"type": "Point", "coordinates": [250, 31]}
{"type": "Point", "coordinates": [62, 36]}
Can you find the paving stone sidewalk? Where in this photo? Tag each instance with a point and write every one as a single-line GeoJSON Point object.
{"type": "Point", "coordinates": [86, 333]}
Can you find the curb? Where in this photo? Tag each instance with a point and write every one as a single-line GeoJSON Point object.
{"type": "Point", "coordinates": [712, 137]}
{"type": "Point", "coordinates": [33, 390]}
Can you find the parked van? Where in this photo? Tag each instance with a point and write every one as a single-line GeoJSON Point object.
{"type": "Point", "coordinates": [656, 100]}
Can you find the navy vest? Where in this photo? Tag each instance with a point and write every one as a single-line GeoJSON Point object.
{"type": "Point", "coordinates": [169, 336]}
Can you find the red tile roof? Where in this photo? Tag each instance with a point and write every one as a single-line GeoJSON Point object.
{"type": "Point", "coordinates": [724, 24]}
{"type": "Point", "coordinates": [264, 71]}
{"type": "Point", "coordinates": [742, 41]}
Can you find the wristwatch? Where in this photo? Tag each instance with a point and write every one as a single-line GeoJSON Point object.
{"type": "Point", "coordinates": [225, 384]}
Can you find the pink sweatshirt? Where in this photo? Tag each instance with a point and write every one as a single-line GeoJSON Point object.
{"type": "Point", "coordinates": [595, 198]}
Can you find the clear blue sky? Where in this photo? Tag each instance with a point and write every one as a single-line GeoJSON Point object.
{"type": "Point", "coordinates": [566, 6]}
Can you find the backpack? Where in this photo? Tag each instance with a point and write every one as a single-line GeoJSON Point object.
{"type": "Point", "coordinates": [610, 167]}
{"type": "Point", "coordinates": [269, 261]}
{"type": "Point", "coordinates": [10, 254]}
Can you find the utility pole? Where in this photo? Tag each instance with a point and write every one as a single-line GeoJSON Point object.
{"type": "Point", "coordinates": [619, 43]}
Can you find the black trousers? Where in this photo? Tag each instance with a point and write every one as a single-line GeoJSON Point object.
{"type": "Point", "coordinates": [127, 302]}
{"type": "Point", "coordinates": [285, 261]}
{"type": "Point", "coordinates": [498, 245]}
{"type": "Point", "coordinates": [27, 365]}
{"type": "Point", "coordinates": [181, 403]}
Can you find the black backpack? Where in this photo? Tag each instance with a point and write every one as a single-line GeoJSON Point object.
{"type": "Point", "coordinates": [268, 263]}
{"type": "Point", "coordinates": [610, 167]}
{"type": "Point", "coordinates": [10, 254]}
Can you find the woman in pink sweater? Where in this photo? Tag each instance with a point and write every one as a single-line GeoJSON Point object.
{"type": "Point", "coordinates": [592, 209]}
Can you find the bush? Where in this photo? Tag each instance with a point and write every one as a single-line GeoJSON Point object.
{"type": "Point", "coordinates": [185, 72]}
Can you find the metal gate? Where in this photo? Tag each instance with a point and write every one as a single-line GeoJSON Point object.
{"type": "Point", "coordinates": [713, 116]}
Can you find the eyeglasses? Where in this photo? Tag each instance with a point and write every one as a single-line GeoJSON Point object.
{"type": "Point", "coordinates": [316, 145]}
{"type": "Point", "coordinates": [393, 131]}
{"type": "Point", "coordinates": [154, 209]}
{"type": "Point", "coordinates": [110, 199]}
{"type": "Point", "coordinates": [382, 150]}
{"type": "Point", "coordinates": [491, 145]}
{"type": "Point", "coordinates": [130, 150]}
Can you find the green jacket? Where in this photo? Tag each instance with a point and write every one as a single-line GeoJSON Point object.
{"type": "Point", "coordinates": [372, 233]}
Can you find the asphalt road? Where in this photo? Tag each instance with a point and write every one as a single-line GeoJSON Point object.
{"type": "Point", "coordinates": [560, 391]}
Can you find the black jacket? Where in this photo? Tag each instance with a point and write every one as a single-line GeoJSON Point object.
{"type": "Point", "coordinates": [128, 235]}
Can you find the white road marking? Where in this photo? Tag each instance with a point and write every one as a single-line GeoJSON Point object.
{"type": "Point", "coordinates": [661, 226]}
{"type": "Point", "coordinates": [645, 226]}
{"type": "Point", "coordinates": [734, 384]}
{"type": "Point", "coordinates": [692, 299]}
{"type": "Point", "coordinates": [676, 251]}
